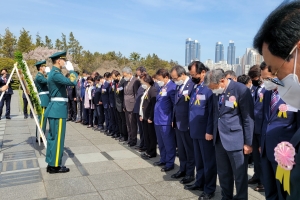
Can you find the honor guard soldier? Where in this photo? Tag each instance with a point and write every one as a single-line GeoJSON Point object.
{"type": "Point", "coordinates": [56, 111]}
{"type": "Point", "coordinates": [42, 87]}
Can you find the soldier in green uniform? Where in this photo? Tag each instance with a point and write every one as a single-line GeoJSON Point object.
{"type": "Point", "coordinates": [56, 111]}
{"type": "Point", "coordinates": [42, 87]}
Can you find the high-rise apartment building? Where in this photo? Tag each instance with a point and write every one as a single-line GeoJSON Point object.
{"type": "Point", "coordinates": [231, 53]}
{"type": "Point", "coordinates": [219, 52]}
{"type": "Point", "coordinates": [192, 51]}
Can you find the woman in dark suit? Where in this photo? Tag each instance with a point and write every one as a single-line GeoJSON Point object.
{"type": "Point", "coordinates": [146, 112]}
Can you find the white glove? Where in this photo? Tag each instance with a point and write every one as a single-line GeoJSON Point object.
{"type": "Point", "coordinates": [47, 70]}
{"type": "Point", "coordinates": [69, 66]}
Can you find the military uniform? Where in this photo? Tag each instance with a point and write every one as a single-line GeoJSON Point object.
{"type": "Point", "coordinates": [56, 113]}
{"type": "Point", "coordinates": [42, 88]}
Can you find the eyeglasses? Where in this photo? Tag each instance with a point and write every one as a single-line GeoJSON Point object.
{"type": "Point", "coordinates": [276, 80]}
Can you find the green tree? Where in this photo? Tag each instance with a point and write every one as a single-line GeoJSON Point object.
{"type": "Point", "coordinates": [86, 61]}
{"type": "Point", "coordinates": [38, 41]}
{"type": "Point", "coordinates": [8, 44]}
{"type": "Point", "coordinates": [64, 45]}
{"type": "Point", "coordinates": [74, 48]}
{"type": "Point", "coordinates": [48, 42]}
{"type": "Point", "coordinates": [25, 44]}
{"type": "Point", "coordinates": [58, 44]}
{"type": "Point", "coordinates": [134, 56]}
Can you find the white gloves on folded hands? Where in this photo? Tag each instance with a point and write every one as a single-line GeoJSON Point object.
{"type": "Point", "coordinates": [69, 66]}
{"type": "Point", "coordinates": [47, 70]}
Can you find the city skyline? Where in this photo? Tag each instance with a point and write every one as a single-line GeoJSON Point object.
{"type": "Point", "coordinates": [219, 52]}
{"type": "Point", "coordinates": [192, 51]}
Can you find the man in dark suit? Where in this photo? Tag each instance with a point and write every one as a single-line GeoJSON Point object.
{"type": "Point", "coordinates": [181, 124]}
{"type": "Point", "coordinates": [85, 116]}
{"type": "Point", "coordinates": [78, 99]}
{"type": "Point", "coordinates": [105, 102]}
{"type": "Point", "coordinates": [7, 96]}
{"type": "Point", "coordinates": [201, 131]}
{"type": "Point", "coordinates": [130, 89]}
{"type": "Point", "coordinates": [71, 91]}
{"type": "Point", "coordinates": [119, 97]}
{"type": "Point", "coordinates": [254, 74]}
{"type": "Point", "coordinates": [112, 108]}
{"type": "Point", "coordinates": [163, 120]}
{"type": "Point", "coordinates": [136, 109]}
{"type": "Point", "coordinates": [275, 129]}
{"type": "Point", "coordinates": [98, 106]}
{"type": "Point", "coordinates": [233, 133]}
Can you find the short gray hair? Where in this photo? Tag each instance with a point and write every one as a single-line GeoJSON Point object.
{"type": "Point", "coordinates": [179, 69]}
{"type": "Point", "coordinates": [214, 76]}
{"type": "Point", "coordinates": [127, 70]}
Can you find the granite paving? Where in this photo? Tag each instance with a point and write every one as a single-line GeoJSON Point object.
{"type": "Point", "coordinates": [101, 168]}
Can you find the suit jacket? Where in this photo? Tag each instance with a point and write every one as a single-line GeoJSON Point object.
{"type": "Point", "coordinates": [111, 94]}
{"type": "Point", "coordinates": [181, 106]}
{"type": "Point", "coordinates": [138, 97]}
{"type": "Point", "coordinates": [163, 111]}
{"type": "Point", "coordinates": [2, 83]}
{"type": "Point", "coordinates": [119, 95]}
{"type": "Point", "coordinates": [82, 85]}
{"type": "Point", "coordinates": [258, 111]}
{"type": "Point", "coordinates": [130, 90]}
{"type": "Point", "coordinates": [234, 125]}
{"type": "Point", "coordinates": [71, 91]}
{"type": "Point", "coordinates": [157, 87]}
{"type": "Point", "coordinates": [78, 89]}
{"type": "Point", "coordinates": [276, 129]}
{"type": "Point", "coordinates": [149, 104]}
{"type": "Point", "coordinates": [105, 94]}
{"type": "Point", "coordinates": [201, 116]}
{"type": "Point", "coordinates": [97, 95]}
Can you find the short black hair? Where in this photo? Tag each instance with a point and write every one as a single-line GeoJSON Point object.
{"type": "Point", "coordinates": [148, 79]}
{"type": "Point", "coordinates": [254, 71]}
{"type": "Point", "coordinates": [96, 74]}
{"type": "Point", "coordinates": [4, 70]}
{"type": "Point", "coordinates": [97, 78]}
{"type": "Point", "coordinates": [107, 75]}
{"type": "Point", "coordinates": [263, 65]}
{"type": "Point", "coordinates": [230, 72]}
{"type": "Point", "coordinates": [199, 67]}
{"type": "Point", "coordinates": [116, 73]}
{"type": "Point", "coordinates": [141, 69]}
{"type": "Point", "coordinates": [280, 30]}
{"type": "Point", "coordinates": [179, 70]}
{"type": "Point", "coordinates": [243, 79]}
{"type": "Point", "coordinates": [89, 78]}
{"type": "Point", "coordinates": [85, 71]}
{"type": "Point", "coordinates": [163, 72]}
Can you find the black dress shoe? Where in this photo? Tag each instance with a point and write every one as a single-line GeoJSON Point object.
{"type": "Point", "coordinates": [54, 170]}
{"type": "Point", "coordinates": [205, 196]}
{"type": "Point", "coordinates": [193, 187]}
{"type": "Point", "coordinates": [121, 139]}
{"type": "Point", "coordinates": [159, 163]}
{"type": "Point", "coordinates": [25, 117]}
{"type": "Point", "coordinates": [79, 121]}
{"type": "Point", "coordinates": [142, 150]}
{"type": "Point", "coordinates": [31, 117]}
{"type": "Point", "coordinates": [115, 136]}
{"type": "Point", "coordinates": [166, 169]}
{"type": "Point", "coordinates": [68, 120]}
{"type": "Point", "coordinates": [187, 179]}
{"type": "Point", "coordinates": [179, 174]}
{"type": "Point", "coordinates": [253, 180]}
{"type": "Point", "coordinates": [48, 167]}
{"type": "Point", "coordinates": [8, 118]}
{"type": "Point", "coordinates": [110, 133]}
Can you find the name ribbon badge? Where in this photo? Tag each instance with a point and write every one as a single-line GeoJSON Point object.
{"type": "Point", "coordinates": [233, 100]}
{"type": "Point", "coordinates": [261, 97]}
{"type": "Point", "coordinates": [197, 102]}
{"type": "Point", "coordinates": [284, 154]}
{"type": "Point", "coordinates": [282, 110]}
{"type": "Point", "coordinates": [162, 91]}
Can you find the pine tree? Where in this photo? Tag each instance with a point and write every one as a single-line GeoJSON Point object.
{"type": "Point", "coordinates": [24, 43]}
{"type": "Point", "coordinates": [8, 44]}
{"type": "Point", "coordinates": [48, 42]}
{"type": "Point", "coordinates": [38, 41]}
{"type": "Point", "coordinates": [74, 48]}
{"type": "Point", "coordinates": [64, 42]}
{"type": "Point", "coordinates": [58, 44]}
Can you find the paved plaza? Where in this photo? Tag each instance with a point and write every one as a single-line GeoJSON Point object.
{"type": "Point", "coordinates": [100, 167]}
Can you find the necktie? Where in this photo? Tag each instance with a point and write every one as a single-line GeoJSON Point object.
{"type": "Point", "coordinates": [274, 100]}
{"type": "Point", "coordinates": [221, 99]}
{"type": "Point", "coordinates": [194, 95]}
{"type": "Point", "coordinates": [179, 90]}
{"type": "Point", "coordinates": [256, 92]}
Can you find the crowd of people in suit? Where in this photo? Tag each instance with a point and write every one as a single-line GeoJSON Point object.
{"type": "Point", "coordinates": [212, 120]}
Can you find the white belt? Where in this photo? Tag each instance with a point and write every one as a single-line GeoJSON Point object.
{"type": "Point", "coordinates": [46, 92]}
{"type": "Point", "coordinates": [59, 99]}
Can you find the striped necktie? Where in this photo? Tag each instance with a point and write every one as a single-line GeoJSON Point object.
{"type": "Point", "coordinates": [274, 100]}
